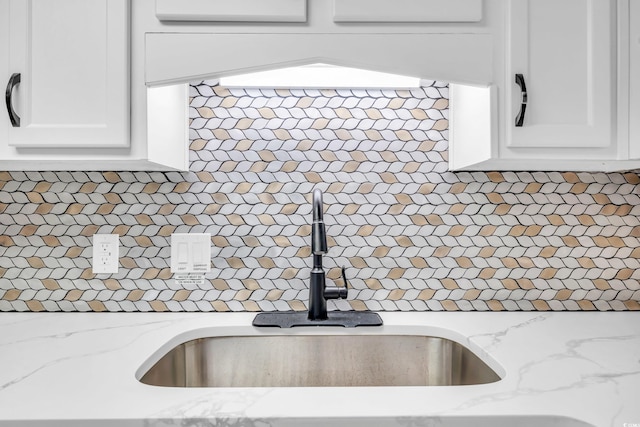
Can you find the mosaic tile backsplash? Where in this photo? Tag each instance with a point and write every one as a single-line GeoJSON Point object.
{"type": "Point", "coordinates": [412, 235]}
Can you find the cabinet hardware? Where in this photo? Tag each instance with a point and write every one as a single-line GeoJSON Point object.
{"type": "Point", "coordinates": [523, 105]}
{"type": "Point", "coordinates": [14, 80]}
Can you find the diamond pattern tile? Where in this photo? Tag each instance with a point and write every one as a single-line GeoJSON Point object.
{"type": "Point", "coordinates": [412, 235]}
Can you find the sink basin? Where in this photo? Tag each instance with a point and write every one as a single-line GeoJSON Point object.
{"type": "Point", "coordinates": [319, 361]}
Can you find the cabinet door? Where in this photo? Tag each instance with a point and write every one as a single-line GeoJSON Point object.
{"type": "Point", "coordinates": [4, 67]}
{"type": "Point", "coordinates": [565, 53]}
{"type": "Point", "coordinates": [73, 61]}
{"type": "Point", "coordinates": [634, 79]}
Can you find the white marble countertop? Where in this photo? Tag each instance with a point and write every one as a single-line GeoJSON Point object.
{"type": "Point", "coordinates": [81, 369]}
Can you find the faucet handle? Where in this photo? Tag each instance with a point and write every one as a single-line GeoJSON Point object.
{"type": "Point", "coordinates": [337, 292]}
{"type": "Point", "coordinates": [344, 278]}
{"type": "Point", "coordinates": [343, 291]}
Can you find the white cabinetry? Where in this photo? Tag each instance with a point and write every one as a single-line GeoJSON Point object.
{"type": "Point", "coordinates": [77, 111]}
{"type": "Point", "coordinates": [4, 66]}
{"type": "Point", "coordinates": [73, 62]}
{"type": "Point", "coordinates": [557, 106]}
{"type": "Point", "coordinates": [174, 43]}
{"type": "Point", "coordinates": [78, 107]}
{"type": "Point", "coordinates": [564, 50]}
{"type": "Point", "coordinates": [634, 78]}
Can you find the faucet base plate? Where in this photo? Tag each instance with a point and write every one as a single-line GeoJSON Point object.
{"type": "Point", "coordinates": [289, 319]}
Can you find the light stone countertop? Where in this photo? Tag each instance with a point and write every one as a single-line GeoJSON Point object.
{"type": "Point", "coordinates": [80, 369]}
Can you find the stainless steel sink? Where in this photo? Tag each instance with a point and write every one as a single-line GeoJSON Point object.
{"type": "Point", "coordinates": [319, 361]}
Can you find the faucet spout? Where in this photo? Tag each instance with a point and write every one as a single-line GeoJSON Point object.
{"type": "Point", "coordinates": [318, 232]}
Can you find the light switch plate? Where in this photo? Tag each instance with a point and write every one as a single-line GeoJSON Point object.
{"type": "Point", "coordinates": [105, 253]}
{"type": "Point", "coordinates": [190, 252]}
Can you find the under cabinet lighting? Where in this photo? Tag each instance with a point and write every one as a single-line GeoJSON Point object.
{"type": "Point", "coordinates": [320, 76]}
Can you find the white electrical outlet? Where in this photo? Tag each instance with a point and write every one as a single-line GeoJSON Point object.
{"type": "Point", "coordinates": [105, 253]}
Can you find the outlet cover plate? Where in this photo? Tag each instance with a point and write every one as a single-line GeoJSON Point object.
{"type": "Point", "coordinates": [190, 252]}
{"type": "Point", "coordinates": [105, 253]}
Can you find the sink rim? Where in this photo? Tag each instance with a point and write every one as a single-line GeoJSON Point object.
{"type": "Point", "coordinates": [385, 330]}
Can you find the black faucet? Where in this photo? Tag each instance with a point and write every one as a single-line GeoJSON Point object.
{"type": "Point", "coordinates": [319, 292]}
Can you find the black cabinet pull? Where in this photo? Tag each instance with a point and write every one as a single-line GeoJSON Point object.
{"type": "Point", "coordinates": [14, 80]}
{"type": "Point", "coordinates": [523, 105]}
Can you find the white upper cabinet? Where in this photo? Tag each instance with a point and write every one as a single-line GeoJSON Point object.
{"type": "Point", "coordinates": [558, 103]}
{"type": "Point", "coordinates": [83, 104]}
{"type": "Point", "coordinates": [564, 51]}
{"type": "Point", "coordinates": [4, 66]}
{"type": "Point", "coordinates": [633, 100]}
{"type": "Point", "coordinates": [71, 58]}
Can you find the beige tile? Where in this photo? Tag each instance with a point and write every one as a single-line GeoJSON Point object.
{"type": "Point", "coordinates": [74, 209]}
{"type": "Point", "coordinates": [632, 178]}
{"type": "Point", "coordinates": [28, 230]}
{"type": "Point", "coordinates": [220, 306]}
{"type": "Point", "coordinates": [510, 284]}
{"type": "Point", "coordinates": [42, 209]}
{"type": "Point", "coordinates": [50, 284]}
{"type": "Point", "coordinates": [495, 305]}
{"type": "Point", "coordinates": [487, 273]}
{"type": "Point", "coordinates": [533, 188]}
{"type": "Point", "coordinates": [35, 305]}
{"type": "Point", "coordinates": [495, 176]}
{"type": "Point", "coordinates": [450, 284]}
{"type": "Point", "coordinates": [579, 188]}
{"type": "Point", "coordinates": [380, 252]}
{"type": "Point", "coordinates": [441, 125]}
{"type": "Point", "coordinates": [441, 252]}
{"type": "Point", "coordinates": [274, 295]}
{"type": "Point", "coordinates": [419, 114]}
{"type": "Point", "coordinates": [418, 262]}
{"type": "Point", "coordinates": [441, 104]}
{"type": "Point", "coordinates": [111, 177]}
{"type": "Point", "coordinates": [471, 294]}
{"type": "Point", "coordinates": [570, 177]}
{"type": "Point", "coordinates": [73, 295]}
{"type": "Point", "coordinates": [464, 262]}
{"type": "Point", "coordinates": [586, 305]}
{"type": "Point", "coordinates": [624, 274]}
{"type": "Point", "coordinates": [548, 273]}
{"type": "Point", "coordinates": [159, 306]}
{"type": "Point", "coordinates": [525, 262]}
{"type": "Point", "coordinates": [541, 305]}
{"type": "Point", "coordinates": [449, 305]}
{"type": "Point", "coordinates": [35, 197]}
{"type": "Point", "coordinates": [51, 241]}
{"type": "Point", "coordinates": [35, 262]}
{"type": "Point", "coordinates": [105, 209]}
{"type": "Point", "coordinates": [602, 284]}
{"type": "Point", "coordinates": [487, 252]}
{"type": "Point", "coordinates": [396, 273]}
{"type": "Point", "coordinates": [426, 294]}
{"type": "Point", "coordinates": [632, 305]}
{"type": "Point", "coordinates": [495, 198]}
{"type": "Point", "coordinates": [11, 295]}
{"type": "Point", "coordinates": [97, 306]}
{"type": "Point", "coordinates": [586, 262]}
